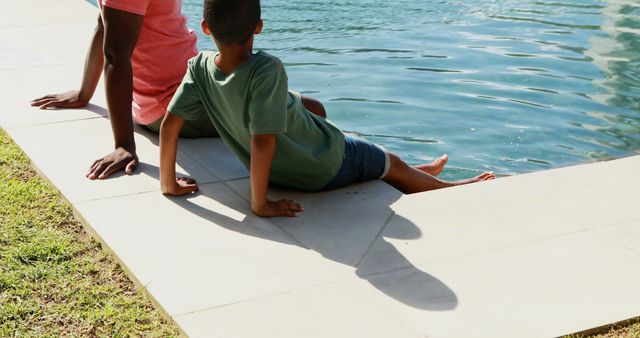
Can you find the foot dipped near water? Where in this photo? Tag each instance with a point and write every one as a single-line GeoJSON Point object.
{"type": "Point", "coordinates": [486, 176]}
{"type": "Point", "coordinates": [434, 168]}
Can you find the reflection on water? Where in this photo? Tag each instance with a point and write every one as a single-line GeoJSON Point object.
{"type": "Point", "coordinates": [617, 54]}
{"type": "Point", "coordinates": [505, 85]}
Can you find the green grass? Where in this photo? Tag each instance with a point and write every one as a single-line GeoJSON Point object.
{"type": "Point", "coordinates": [624, 329]}
{"type": "Point", "coordinates": [55, 280]}
{"type": "Point", "coordinates": [631, 331]}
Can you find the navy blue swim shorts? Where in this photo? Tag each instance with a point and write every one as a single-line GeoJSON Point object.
{"type": "Point", "coordinates": [363, 161]}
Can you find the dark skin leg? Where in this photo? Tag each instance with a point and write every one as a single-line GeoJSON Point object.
{"type": "Point", "coordinates": [313, 106]}
{"type": "Point", "coordinates": [411, 180]}
{"type": "Point", "coordinates": [434, 168]}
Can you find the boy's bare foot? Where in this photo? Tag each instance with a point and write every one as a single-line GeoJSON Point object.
{"type": "Point", "coordinates": [435, 167]}
{"type": "Point", "coordinates": [486, 176]}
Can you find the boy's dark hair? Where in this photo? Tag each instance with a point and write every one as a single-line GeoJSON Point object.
{"type": "Point", "coordinates": [232, 22]}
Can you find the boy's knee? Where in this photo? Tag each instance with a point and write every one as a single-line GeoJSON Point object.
{"type": "Point", "coordinates": [396, 166]}
{"type": "Point", "coordinates": [396, 161]}
{"type": "Point", "coordinates": [320, 110]}
{"type": "Point", "coordinates": [313, 106]}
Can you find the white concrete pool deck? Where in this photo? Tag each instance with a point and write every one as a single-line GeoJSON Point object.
{"type": "Point", "coordinates": [536, 255]}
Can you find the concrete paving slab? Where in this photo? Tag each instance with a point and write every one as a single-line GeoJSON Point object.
{"type": "Point", "coordinates": [340, 224]}
{"type": "Point", "coordinates": [20, 49]}
{"type": "Point", "coordinates": [20, 86]}
{"type": "Point", "coordinates": [541, 254]}
{"type": "Point", "coordinates": [203, 251]}
{"type": "Point", "coordinates": [43, 12]}
{"type": "Point", "coordinates": [627, 235]}
{"type": "Point", "coordinates": [215, 156]}
{"type": "Point", "coordinates": [337, 311]}
{"type": "Point", "coordinates": [461, 221]}
{"type": "Point", "coordinates": [543, 289]}
{"type": "Point", "coordinates": [77, 36]}
{"type": "Point", "coordinates": [65, 151]}
{"type": "Point", "coordinates": [595, 195]}
{"type": "Point", "coordinates": [6, 21]}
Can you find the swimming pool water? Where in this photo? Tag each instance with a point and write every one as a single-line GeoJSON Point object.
{"type": "Point", "coordinates": [511, 86]}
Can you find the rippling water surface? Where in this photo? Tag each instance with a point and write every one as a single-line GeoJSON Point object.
{"type": "Point", "coordinates": [511, 86]}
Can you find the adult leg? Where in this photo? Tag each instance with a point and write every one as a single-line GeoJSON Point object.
{"type": "Point", "coordinates": [313, 106]}
{"type": "Point", "coordinates": [410, 180]}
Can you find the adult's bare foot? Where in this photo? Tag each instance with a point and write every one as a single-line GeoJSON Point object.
{"type": "Point", "coordinates": [435, 167]}
{"type": "Point", "coordinates": [486, 176]}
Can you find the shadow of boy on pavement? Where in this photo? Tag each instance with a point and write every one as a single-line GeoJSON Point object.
{"type": "Point", "coordinates": [334, 225]}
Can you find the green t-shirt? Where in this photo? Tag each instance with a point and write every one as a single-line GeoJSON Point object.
{"type": "Point", "coordinates": [253, 100]}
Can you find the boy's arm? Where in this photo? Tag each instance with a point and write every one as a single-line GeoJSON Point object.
{"type": "Point", "coordinates": [262, 149]}
{"type": "Point", "coordinates": [169, 132]}
{"type": "Point", "coordinates": [92, 71]}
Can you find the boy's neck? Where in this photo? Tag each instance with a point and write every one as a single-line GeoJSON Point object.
{"type": "Point", "coordinates": [232, 57]}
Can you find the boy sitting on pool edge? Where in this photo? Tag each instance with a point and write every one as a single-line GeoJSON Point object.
{"type": "Point", "coordinates": [268, 127]}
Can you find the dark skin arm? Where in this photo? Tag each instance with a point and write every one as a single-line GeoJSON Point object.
{"type": "Point", "coordinates": [262, 149]}
{"type": "Point", "coordinates": [169, 183]}
{"type": "Point", "coordinates": [121, 31]}
{"type": "Point", "coordinates": [114, 39]}
{"type": "Point", "coordinates": [92, 70]}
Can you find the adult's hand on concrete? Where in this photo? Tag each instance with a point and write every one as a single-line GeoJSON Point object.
{"type": "Point", "coordinates": [118, 160]}
{"type": "Point", "coordinates": [70, 99]}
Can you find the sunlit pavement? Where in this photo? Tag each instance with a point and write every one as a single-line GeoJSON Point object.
{"type": "Point", "coordinates": [535, 255]}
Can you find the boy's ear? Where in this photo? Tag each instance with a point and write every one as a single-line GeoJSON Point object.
{"type": "Point", "coordinates": [259, 27]}
{"type": "Point", "coordinates": [205, 28]}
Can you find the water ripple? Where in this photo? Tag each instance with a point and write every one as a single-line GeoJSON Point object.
{"type": "Point", "coordinates": [355, 99]}
{"type": "Point", "coordinates": [297, 64]}
{"type": "Point", "coordinates": [395, 137]}
{"type": "Point", "coordinates": [528, 159]}
{"type": "Point", "coordinates": [529, 103]}
{"type": "Point", "coordinates": [438, 70]}
{"type": "Point", "coordinates": [545, 22]}
{"type": "Point", "coordinates": [571, 5]}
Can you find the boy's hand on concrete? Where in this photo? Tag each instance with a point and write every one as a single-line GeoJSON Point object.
{"type": "Point", "coordinates": [70, 99]}
{"type": "Point", "coordinates": [181, 186]}
{"type": "Point", "coordinates": [279, 208]}
{"type": "Point", "coordinates": [119, 159]}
